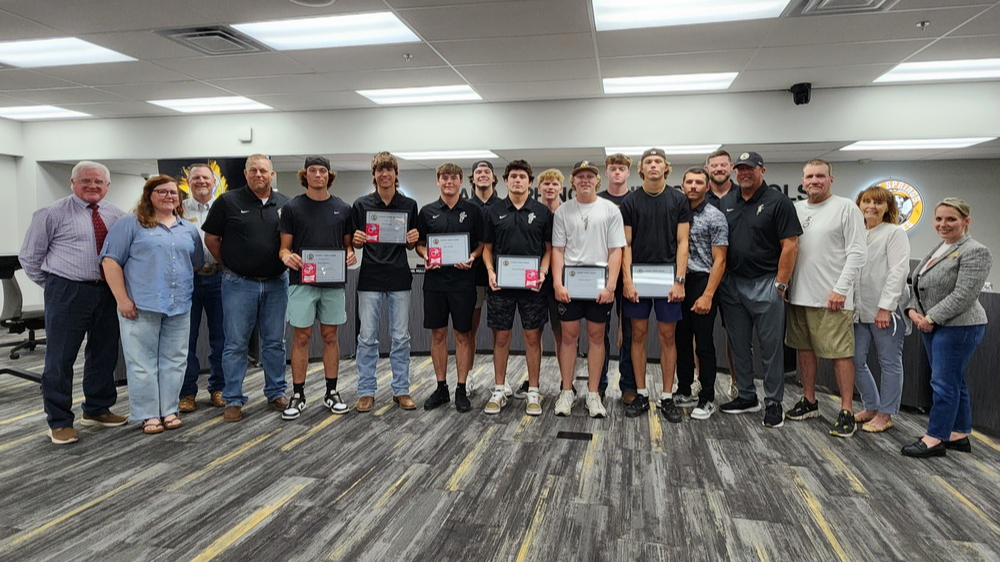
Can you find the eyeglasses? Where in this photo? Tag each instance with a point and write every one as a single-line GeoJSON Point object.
{"type": "Point", "coordinates": [166, 193]}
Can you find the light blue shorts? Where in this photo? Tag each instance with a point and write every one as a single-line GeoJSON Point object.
{"type": "Point", "coordinates": [307, 303]}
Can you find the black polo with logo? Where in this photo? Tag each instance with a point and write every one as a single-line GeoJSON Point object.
{"type": "Point", "coordinates": [437, 217]}
{"type": "Point", "coordinates": [384, 267]}
{"type": "Point", "coordinates": [518, 232]}
{"type": "Point", "coordinates": [249, 231]}
{"type": "Point", "coordinates": [482, 276]}
{"type": "Point", "coordinates": [756, 228]}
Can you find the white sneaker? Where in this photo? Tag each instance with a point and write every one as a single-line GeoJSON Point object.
{"type": "Point", "coordinates": [564, 403]}
{"type": "Point", "coordinates": [533, 404]}
{"type": "Point", "coordinates": [497, 401]}
{"type": "Point", "coordinates": [594, 406]}
{"type": "Point", "coordinates": [703, 411]}
{"type": "Point", "coordinates": [507, 391]}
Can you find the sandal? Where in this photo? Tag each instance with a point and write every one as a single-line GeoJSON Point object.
{"type": "Point", "coordinates": [873, 427]}
{"type": "Point", "coordinates": [865, 416]}
{"type": "Point", "coordinates": [152, 426]}
{"type": "Point", "coordinates": [172, 422]}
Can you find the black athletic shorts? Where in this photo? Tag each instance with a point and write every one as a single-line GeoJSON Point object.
{"type": "Point", "coordinates": [578, 309]}
{"type": "Point", "coordinates": [500, 306]}
{"type": "Point", "coordinates": [438, 305]}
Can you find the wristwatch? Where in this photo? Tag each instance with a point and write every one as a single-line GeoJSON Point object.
{"type": "Point", "coordinates": [780, 286]}
{"type": "Point", "coordinates": [679, 279]}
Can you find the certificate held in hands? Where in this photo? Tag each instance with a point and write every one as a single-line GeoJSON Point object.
{"type": "Point", "coordinates": [585, 282]}
{"type": "Point", "coordinates": [517, 272]}
{"type": "Point", "coordinates": [386, 227]}
{"type": "Point", "coordinates": [447, 249]}
{"type": "Point", "coordinates": [653, 280]}
{"type": "Point", "coordinates": [323, 266]}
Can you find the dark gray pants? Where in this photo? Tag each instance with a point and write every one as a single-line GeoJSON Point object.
{"type": "Point", "coordinates": [748, 304]}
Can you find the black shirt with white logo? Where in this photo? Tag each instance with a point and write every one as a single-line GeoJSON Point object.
{"type": "Point", "coordinates": [479, 268]}
{"type": "Point", "coordinates": [756, 228]}
{"type": "Point", "coordinates": [317, 225]}
{"type": "Point", "coordinates": [438, 218]}
{"type": "Point", "coordinates": [384, 267]}
{"type": "Point", "coordinates": [518, 232]}
{"type": "Point", "coordinates": [249, 231]}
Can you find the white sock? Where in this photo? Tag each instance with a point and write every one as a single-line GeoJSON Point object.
{"type": "Point", "coordinates": [532, 389]}
{"type": "Point", "coordinates": [666, 396]}
{"type": "Point", "coordinates": [643, 392]}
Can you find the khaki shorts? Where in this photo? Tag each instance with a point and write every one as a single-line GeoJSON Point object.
{"type": "Point", "coordinates": [830, 334]}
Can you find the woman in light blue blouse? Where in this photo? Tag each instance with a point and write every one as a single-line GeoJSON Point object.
{"type": "Point", "coordinates": [149, 259]}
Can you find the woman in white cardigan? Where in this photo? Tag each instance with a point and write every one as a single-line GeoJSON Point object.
{"type": "Point", "coordinates": [878, 316]}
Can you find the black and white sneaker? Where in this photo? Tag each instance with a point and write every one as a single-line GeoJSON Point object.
{"type": "Point", "coordinates": [522, 391]}
{"type": "Point", "coordinates": [803, 410]}
{"type": "Point", "coordinates": [670, 410]}
{"type": "Point", "coordinates": [336, 405]}
{"type": "Point", "coordinates": [296, 405]}
{"type": "Point", "coordinates": [773, 416]}
{"type": "Point", "coordinates": [638, 407]}
{"type": "Point", "coordinates": [703, 411]}
{"type": "Point", "coordinates": [741, 405]}
{"type": "Point", "coordinates": [845, 425]}
{"type": "Point", "coordinates": [682, 400]}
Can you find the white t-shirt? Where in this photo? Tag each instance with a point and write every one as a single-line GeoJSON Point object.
{"type": "Point", "coordinates": [832, 251]}
{"type": "Point", "coordinates": [587, 231]}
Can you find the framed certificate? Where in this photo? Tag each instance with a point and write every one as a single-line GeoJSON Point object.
{"type": "Point", "coordinates": [447, 249]}
{"type": "Point", "coordinates": [386, 227]}
{"type": "Point", "coordinates": [517, 272]}
{"type": "Point", "coordinates": [584, 282]}
{"type": "Point", "coordinates": [323, 266]}
{"type": "Point", "coordinates": [653, 280]}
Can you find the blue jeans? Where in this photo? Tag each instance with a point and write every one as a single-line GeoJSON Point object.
{"type": "Point", "coordinates": [74, 310]}
{"type": "Point", "coordinates": [949, 349]}
{"type": "Point", "coordinates": [889, 348]}
{"type": "Point", "coordinates": [369, 312]}
{"type": "Point", "coordinates": [207, 295]}
{"type": "Point", "coordinates": [155, 348]}
{"type": "Point", "coordinates": [626, 374]}
{"type": "Point", "coordinates": [247, 303]}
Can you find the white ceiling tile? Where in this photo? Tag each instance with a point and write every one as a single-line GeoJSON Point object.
{"type": "Point", "coordinates": [94, 16]}
{"type": "Point", "coordinates": [165, 90]}
{"type": "Point", "coordinates": [805, 56]}
{"type": "Point", "coordinates": [547, 90]}
{"type": "Point", "coordinates": [531, 71]}
{"type": "Point", "coordinates": [235, 66]}
{"type": "Point", "coordinates": [546, 47]}
{"type": "Point", "coordinates": [987, 23]}
{"type": "Point", "coordinates": [403, 4]}
{"type": "Point", "coordinates": [315, 101]}
{"type": "Point", "coordinates": [401, 78]}
{"type": "Point", "coordinates": [129, 72]}
{"type": "Point", "coordinates": [276, 84]}
{"type": "Point", "coordinates": [825, 77]}
{"type": "Point", "coordinates": [867, 27]}
{"type": "Point", "coordinates": [369, 57]}
{"type": "Point", "coordinates": [978, 47]}
{"type": "Point", "coordinates": [145, 45]}
{"type": "Point", "coordinates": [912, 5]}
{"type": "Point", "coordinates": [14, 28]}
{"type": "Point", "coordinates": [689, 63]}
{"type": "Point", "coordinates": [684, 39]}
{"type": "Point", "coordinates": [501, 19]}
{"type": "Point", "coordinates": [120, 109]}
{"type": "Point", "coordinates": [24, 79]}
{"type": "Point", "coordinates": [60, 96]}
{"type": "Point", "coordinates": [247, 11]}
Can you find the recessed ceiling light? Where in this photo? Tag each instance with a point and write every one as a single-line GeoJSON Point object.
{"type": "Point", "coordinates": [217, 104]}
{"type": "Point", "coordinates": [26, 113]}
{"type": "Point", "coordinates": [669, 149]}
{"type": "Point", "coordinates": [669, 83]}
{"type": "Point", "coordinates": [916, 144]}
{"type": "Point", "coordinates": [56, 52]}
{"type": "Point", "coordinates": [428, 95]}
{"type": "Point", "coordinates": [446, 155]}
{"type": "Point", "coordinates": [375, 28]}
{"type": "Point", "coordinates": [632, 14]}
{"type": "Point", "coordinates": [969, 69]}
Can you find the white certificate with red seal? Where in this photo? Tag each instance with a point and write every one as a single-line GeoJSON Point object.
{"type": "Point", "coordinates": [447, 249]}
{"type": "Point", "coordinates": [585, 282]}
{"type": "Point", "coordinates": [517, 272]}
{"type": "Point", "coordinates": [386, 227]}
{"type": "Point", "coordinates": [323, 266]}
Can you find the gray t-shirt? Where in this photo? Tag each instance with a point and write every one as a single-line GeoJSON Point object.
{"type": "Point", "coordinates": [587, 231]}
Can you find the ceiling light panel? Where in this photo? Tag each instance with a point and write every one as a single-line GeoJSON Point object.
{"type": "Point", "coordinates": [669, 83]}
{"type": "Point", "coordinates": [916, 144]}
{"type": "Point", "coordinates": [427, 95]}
{"type": "Point", "coordinates": [216, 104]}
{"type": "Point", "coordinates": [446, 155]}
{"type": "Point", "coordinates": [633, 14]}
{"type": "Point", "coordinates": [31, 113]}
{"type": "Point", "coordinates": [669, 149]}
{"type": "Point", "coordinates": [376, 28]}
{"type": "Point", "coordinates": [56, 52]}
{"type": "Point", "coordinates": [969, 69]}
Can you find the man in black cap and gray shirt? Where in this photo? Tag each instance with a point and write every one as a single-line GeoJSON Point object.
{"type": "Point", "coordinates": [241, 232]}
{"type": "Point", "coordinates": [763, 243]}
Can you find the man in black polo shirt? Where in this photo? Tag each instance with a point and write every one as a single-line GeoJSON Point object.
{"type": "Point", "coordinates": [384, 278]}
{"type": "Point", "coordinates": [720, 176]}
{"type": "Point", "coordinates": [763, 242]}
{"type": "Point", "coordinates": [241, 232]}
{"type": "Point", "coordinates": [449, 289]}
{"type": "Point", "coordinates": [517, 226]}
{"type": "Point", "coordinates": [484, 184]}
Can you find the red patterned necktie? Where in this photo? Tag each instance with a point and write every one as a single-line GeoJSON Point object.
{"type": "Point", "coordinates": [100, 231]}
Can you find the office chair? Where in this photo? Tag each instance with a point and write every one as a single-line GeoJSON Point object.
{"type": "Point", "coordinates": [17, 319]}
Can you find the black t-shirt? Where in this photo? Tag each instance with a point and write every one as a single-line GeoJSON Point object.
{"type": "Point", "coordinates": [518, 232]}
{"type": "Point", "coordinates": [384, 266]}
{"type": "Point", "coordinates": [716, 200]}
{"type": "Point", "coordinates": [437, 217]}
{"type": "Point", "coordinates": [482, 276]}
{"type": "Point", "coordinates": [654, 221]}
{"type": "Point", "coordinates": [756, 228]}
{"type": "Point", "coordinates": [615, 199]}
{"type": "Point", "coordinates": [319, 225]}
{"type": "Point", "coordinates": [249, 231]}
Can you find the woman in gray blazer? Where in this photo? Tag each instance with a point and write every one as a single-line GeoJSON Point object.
{"type": "Point", "coordinates": [945, 308]}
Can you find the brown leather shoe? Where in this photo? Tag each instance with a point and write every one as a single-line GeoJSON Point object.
{"type": "Point", "coordinates": [107, 420]}
{"type": "Point", "coordinates": [65, 435]}
{"type": "Point", "coordinates": [405, 402]}
{"type": "Point", "coordinates": [233, 414]}
{"type": "Point", "coordinates": [217, 399]}
{"type": "Point", "coordinates": [187, 404]}
{"type": "Point", "coordinates": [279, 404]}
{"type": "Point", "coordinates": [628, 396]}
{"type": "Point", "coordinates": [365, 404]}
